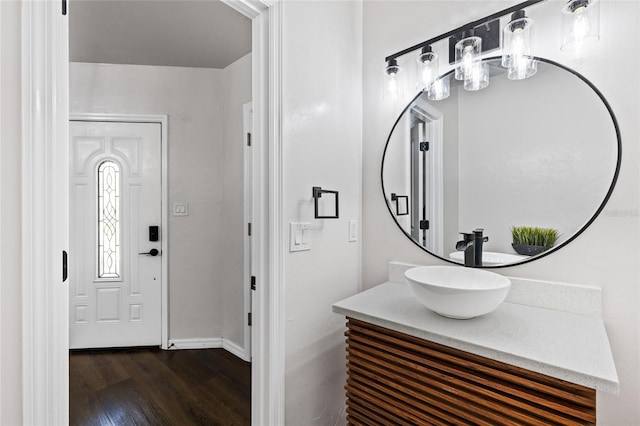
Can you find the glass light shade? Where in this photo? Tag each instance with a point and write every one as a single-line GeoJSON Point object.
{"type": "Point", "coordinates": [523, 67]}
{"type": "Point", "coordinates": [468, 51]}
{"type": "Point", "coordinates": [393, 86]}
{"type": "Point", "coordinates": [427, 67]}
{"type": "Point", "coordinates": [477, 77]}
{"type": "Point", "coordinates": [439, 89]}
{"type": "Point", "coordinates": [580, 24]}
{"type": "Point", "coordinates": [516, 50]}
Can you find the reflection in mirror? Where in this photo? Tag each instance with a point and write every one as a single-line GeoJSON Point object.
{"type": "Point", "coordinates": [402, 204]}
{"type": "Point", "coordinates": [541, 152]}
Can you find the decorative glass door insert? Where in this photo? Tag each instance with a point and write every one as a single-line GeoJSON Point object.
{"type": "Point", "coordinates": [108, 220]}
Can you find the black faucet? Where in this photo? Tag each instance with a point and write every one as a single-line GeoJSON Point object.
{"type": "Point", "coordinates": [471, 244]}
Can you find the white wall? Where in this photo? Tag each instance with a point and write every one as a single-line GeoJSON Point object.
{"type": "Point", "coordinates": [193, 100]}
{"type": "Point", "coordinates": [321, 63]}
{"type": "Point", "coordinates": [10, 216]}
{"type": "Point", "coordinates": [607, 254]}
{"type": "Point", "coordinates": [236, 92]}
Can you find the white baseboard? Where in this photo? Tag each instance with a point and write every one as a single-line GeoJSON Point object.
{"type": "Point", "coordinates": [236, 350]}
{"type": "Point", "coordinates": [210, 343]}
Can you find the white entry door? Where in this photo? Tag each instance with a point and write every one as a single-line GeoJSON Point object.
{"type": "Point", "coordinates": [116, 231]}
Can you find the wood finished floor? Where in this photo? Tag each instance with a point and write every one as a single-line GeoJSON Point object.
{"type": "Point", "coordinates": [154, 387]}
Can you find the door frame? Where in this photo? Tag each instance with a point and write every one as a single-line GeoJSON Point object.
{"type": "Point", "coordinates": [247, 113]}
{"type": "Point", "coordinates": [45, 213]}
{"type": "Point", "coordinates": [164, 229]}
{"type": "Point", "coordinates": [45, 218]}
{"type": "Point", "coordinates": [268, 236]}
{"type": "Point", "coordinates": [436, 169]}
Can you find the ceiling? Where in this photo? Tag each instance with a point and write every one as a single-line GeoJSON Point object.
{"type": "Point", "coordinates": [185, 33]}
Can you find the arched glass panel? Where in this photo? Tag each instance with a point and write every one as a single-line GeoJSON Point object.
{"type": "Point", "coordinates": [108, 220]}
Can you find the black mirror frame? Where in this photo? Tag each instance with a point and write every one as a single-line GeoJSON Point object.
{"type": "Point", "coordinates": [564, 243]}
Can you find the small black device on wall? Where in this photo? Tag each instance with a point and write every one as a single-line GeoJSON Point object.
{"type": "Point", "coordinates": [154, 233]}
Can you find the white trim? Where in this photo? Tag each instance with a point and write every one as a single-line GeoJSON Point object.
{"type": "Point", "coordinates": [163, 120]}
{"type": "Point", "coordinates": [247, 168]}
{"type": "Point", "coordinates": [209, 343]}
{"type": "Point", "coordinates": [277, 234]}
{"type": "Point", "coordinates": [436, 173]}
{"type": "Point", "coordinates": [267, 373]}
{"type": "Point", "coordinates": [267, 339]}
{"type": "Point", "coordinates": [249, 8]}
{"type": "Point", "coordinates": [436, 179]}
{"type": "Point", "coordinates": [205, 343]}
{"type": "Point", "coordinates": [236, 350]}
{"type": "Point", "coordinates": [2, 143]}
{"type": "Point", "coordinates": [45, 213]}
{"type": "Point", "coordinates": [267, 332]}
{"type": "Point", "coordinates": [437, 185]}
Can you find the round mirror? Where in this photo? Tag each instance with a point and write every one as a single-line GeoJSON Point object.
{"type": "Point", "coordinates": [531, 162]}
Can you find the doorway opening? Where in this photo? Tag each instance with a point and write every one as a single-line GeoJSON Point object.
{"type": "Point", "coordinates": [45, 229]}
{"type": "Point", "coordinates": [190, 241]}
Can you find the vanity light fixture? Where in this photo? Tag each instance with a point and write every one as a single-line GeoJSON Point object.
{"type": "Point", "coordinates": [516, 48]}
{"type": "Point", "coordinates": [580, 24]}
{"type": "Point", "coordinates": [392, 83]}
{"type": "Point", "coordinates": [427, 63]}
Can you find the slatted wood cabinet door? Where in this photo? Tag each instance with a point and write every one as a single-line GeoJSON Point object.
{"type": "Point", "coordinates": [397, 379]}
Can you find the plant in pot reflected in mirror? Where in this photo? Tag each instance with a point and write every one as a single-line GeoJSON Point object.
{"type": "Point", "coordinates": [531, 241]}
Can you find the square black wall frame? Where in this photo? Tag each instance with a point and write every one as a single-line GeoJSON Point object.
{"type": "Point", "coordinates": [317, 194]}
{"type": "Point", "coordinates": [489, 33]}
{"type": "Point", "coordinates": [402, 204]}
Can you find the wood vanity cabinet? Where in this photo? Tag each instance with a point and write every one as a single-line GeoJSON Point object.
{"type": "Point", "coordinates": [397, 379]}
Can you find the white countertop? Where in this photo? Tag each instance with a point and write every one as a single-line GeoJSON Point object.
{"type": "Point", "coordinates": [563, 345]}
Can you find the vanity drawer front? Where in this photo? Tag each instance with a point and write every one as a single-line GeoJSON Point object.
{"type": "Point", "coordinates": [396, 379]}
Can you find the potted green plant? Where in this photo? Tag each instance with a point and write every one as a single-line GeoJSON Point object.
{"type": "Point", "coordinates": [531, 240]}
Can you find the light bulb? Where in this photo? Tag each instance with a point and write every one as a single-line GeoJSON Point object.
{"type": "Point", "coordinates": [581, 26]}
{"type": "Point", "coordinates": [517, 44]}
{"type": "Point", "coordinates": [478, 77]}
{"type": "Point", "coordinates": [467, 59]}
{"type": "Point", "coordinates": [393, 87]}
{"type": "Point", "coordinates": [467, 51]}
{"type": "Point", "coordinates": [427, 63]}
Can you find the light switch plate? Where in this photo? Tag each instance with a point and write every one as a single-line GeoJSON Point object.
{"type": "Point", "coordinates": [181, 209]}
{"type": "Point", "coordinates": [299, 236]}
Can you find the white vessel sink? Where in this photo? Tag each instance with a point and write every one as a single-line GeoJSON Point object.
{"type": "Point", "coordinates": [490, 258]}
{"type": "Point", "coordinates": [457, 292]}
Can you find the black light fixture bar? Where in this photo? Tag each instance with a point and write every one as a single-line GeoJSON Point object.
{"type": "Point", "coordinates": [468, 26]}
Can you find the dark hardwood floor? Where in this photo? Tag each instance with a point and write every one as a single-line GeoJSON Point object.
{"type": "Point", "coordinates": [146, 386]}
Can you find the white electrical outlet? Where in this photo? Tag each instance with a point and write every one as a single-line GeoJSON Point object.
{"type": "Point", "coordinates": [181, 209]}
{"type": "Point", "coordinates": [353, 230]}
